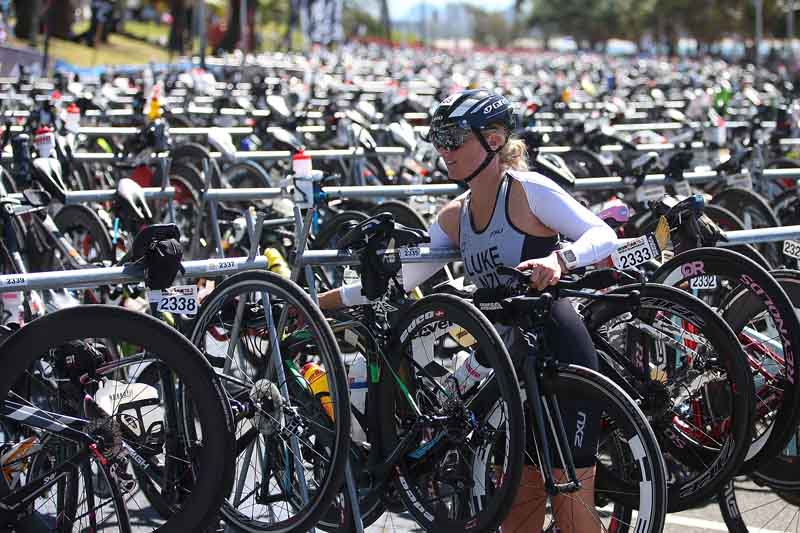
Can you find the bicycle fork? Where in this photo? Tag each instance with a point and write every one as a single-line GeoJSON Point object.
{"type": "Point", "coordinates": [546, 415]}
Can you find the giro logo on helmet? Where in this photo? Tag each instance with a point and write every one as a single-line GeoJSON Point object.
{"type": "Point", "coordinates": [491, 107]}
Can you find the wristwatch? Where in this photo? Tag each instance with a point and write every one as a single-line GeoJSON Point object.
{"type": "Point", "coordinates": [568, 257]}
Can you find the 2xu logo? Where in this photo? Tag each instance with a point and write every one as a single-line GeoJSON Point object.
{"type": "Point", "coordinates": [579, 428]}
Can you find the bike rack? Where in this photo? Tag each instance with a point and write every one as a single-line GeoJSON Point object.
{"type": "Point", "coordinates": [82, 197]}
{"type": "Point", "coordinates": [349, 154]}
{"type": "Point", "coordinates": [754, 236]}
{"type": "Point", "coordinates": [128, 274]}
{"type": "Point", "coordinates": [344, 257]}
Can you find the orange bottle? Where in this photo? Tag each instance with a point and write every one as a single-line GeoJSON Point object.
{"type": "Point", "coordinates": [318, 381]}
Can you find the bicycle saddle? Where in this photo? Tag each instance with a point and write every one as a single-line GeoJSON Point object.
{"type": "Point", "coordinates": [554, 167]}
{"type": "Point", "coordinates": [642, 164]}
{"type": "Point", "coordinates": [734, 164]}
{"type": "Point", "coordinates": [47, 172]}
{"type": "Point", "coordinates": [678, 164]}
{"type": "Point", "coordinates": [222, 142]}
{"type": "Point", "coordinates": [131, 196]}
{"type": "Point", "coordinates": [381, 226]}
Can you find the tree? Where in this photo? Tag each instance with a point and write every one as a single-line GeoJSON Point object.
{"type": "Point", "coordinates": [180, 31]}
{"type": "Point", "coordinates": [60, 18]}
{"type": "Point", "coordinates": [385, 20]}
{"type": "Point", "coordinates": [359, 22]}
{"type": "Point", "coordinates": [233, 33]}
{"type": "Point", "coordinates": [27, 19]}
{"type": "Point", "coordinates": [490, 28]}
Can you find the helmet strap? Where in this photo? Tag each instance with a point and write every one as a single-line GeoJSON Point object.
{"type": "Point", "coordinates": [489, 155]}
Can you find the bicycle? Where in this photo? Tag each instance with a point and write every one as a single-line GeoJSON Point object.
{"type": "Point", "coordinates": [259, 330]}
{"type": "Point", "coordinates": [83, 423]}
{"type": "Point", "coordinates": [408, 348]}
{"type": "Point", "coordinates": [630, 472]}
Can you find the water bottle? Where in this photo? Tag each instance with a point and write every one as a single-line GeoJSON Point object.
{"type": "Point", "coordinates": [303, 195]}
{"type": "Point", "coordinates": [45, 141]}
{"type": "Point", "coordinates": [357, 381]}
{"type": "Point", "coordinates": [72, 118]}
{"type": "Point", "coordinates": [15, 459]}
{"type": "Point", "coordinates": [318, 381]}
{"type": "Point", "coordinates": [468, 371]}
{"type": "Point", "coordinates": [276, 263]}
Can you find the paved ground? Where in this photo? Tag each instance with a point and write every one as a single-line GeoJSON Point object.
{"type": "Point", "coordinates": [764, 512]}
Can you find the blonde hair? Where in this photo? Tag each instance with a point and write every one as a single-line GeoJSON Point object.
{"type": "Point", "coordinates": [514, 155]}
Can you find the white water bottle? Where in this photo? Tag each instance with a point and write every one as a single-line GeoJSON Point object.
{"type": "Point", "coordinates": [468, 371]}
{"type": "Point", "coordinates": [357, 378]}
{"type": "Point", "coordinates": [303, 181]}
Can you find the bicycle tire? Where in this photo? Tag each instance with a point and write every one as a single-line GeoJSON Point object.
{"type": "Point", "coordinates": [331, 230]}
{"type": "Point", "coordinates": [782, 472]}
{"type": "Point", "coordinates": [67, 489]}
{"type": "Point", "coordinates": [730, 265]}
{"type": "Point", "coordinates": [765, 505]}
{"type": "Point", "coordinates": [402, 213]}
{"type": "Point", "coordinates": [249, 172]}
{"type": "Point", "coordinates": [71, 217]}
{"type": "Point", "coordinates": [188, 184]}
{"type": "Point", "coordinates": [275, 285]}
{"type": "Point", "coordinates": [193, 154]}
{"type": "Point", "coordinates": [101, 321]}
{"type": "Point", "coordinates": [746, 203]}
{"type": "Point", "coordinates": [631, 429]}
{"type": "Point", "coordinates": [429, 312]}
{"type": "Point", "coordinates": [707, 457]}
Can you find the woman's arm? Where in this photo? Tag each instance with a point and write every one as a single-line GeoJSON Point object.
{"type": "Point", "coordinates": [593, 240]}
{"type": "Point", "coordinates": [413, 274]}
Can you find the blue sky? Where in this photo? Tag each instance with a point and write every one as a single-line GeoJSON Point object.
{"type": "Point", "coordinates": [399, 8]}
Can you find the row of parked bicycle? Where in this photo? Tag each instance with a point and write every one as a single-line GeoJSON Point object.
{"type": "Point", "coordinates": [238, 401]}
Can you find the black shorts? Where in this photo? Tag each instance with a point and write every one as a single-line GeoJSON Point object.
{"type": "Point", "coordinates": [570, 342]}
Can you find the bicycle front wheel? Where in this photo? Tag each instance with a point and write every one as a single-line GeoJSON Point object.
{"type": "Point", "coordinates": [260, 331]}
{"type": "Point", "coordinates": [630, 477]}
{"type": "Point", "coordinates": [67, 398]}
{"type": "Point", "coordinates": [459, 457]}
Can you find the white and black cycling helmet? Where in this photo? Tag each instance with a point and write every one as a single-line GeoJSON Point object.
{"type": "Point", "coordinates": [470, 111]}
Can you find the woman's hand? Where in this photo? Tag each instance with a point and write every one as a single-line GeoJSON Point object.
{"type": "Point", "coordinates": [545, 271]}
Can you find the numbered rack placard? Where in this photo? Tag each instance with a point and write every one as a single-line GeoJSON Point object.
{"type": "Point", "coordinates": [634, 253]}
{"type": "Point", "coordinates": [181, 299]}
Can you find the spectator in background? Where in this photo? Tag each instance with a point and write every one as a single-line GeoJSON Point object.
{"type": "Point", "coordinates": [101, 24]}
{"type": "Point", "coordinates": [5, 7]}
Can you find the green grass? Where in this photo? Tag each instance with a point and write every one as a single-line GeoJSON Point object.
{"type": "Point", "coordinates": [122, 50]}
{"type": "Point", "coordinates": [147, 30]}
{"type": "Point", "coordinates": [118, 51]}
